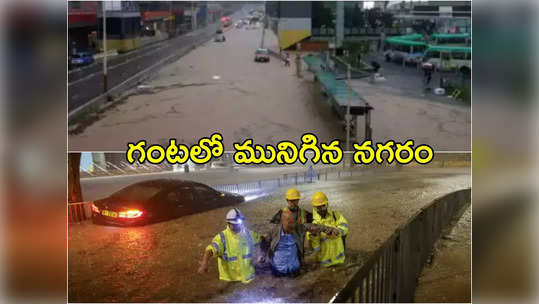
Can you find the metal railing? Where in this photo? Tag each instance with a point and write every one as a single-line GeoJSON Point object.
{"type": "Point", "coordinates": [391, 273]}
{"type": "Point", "coordinates": [79, 212]}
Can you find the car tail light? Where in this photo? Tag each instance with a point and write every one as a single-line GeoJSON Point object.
{"type": "Point", "coordinates": [94, 208]}
{"type": "Point", "coordinates": [132, 213]}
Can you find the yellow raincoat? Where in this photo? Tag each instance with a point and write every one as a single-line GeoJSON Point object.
{"type": "Point", "coordinates": [329, 251]}
{"type": "Point", "coordinates": [235, 254]}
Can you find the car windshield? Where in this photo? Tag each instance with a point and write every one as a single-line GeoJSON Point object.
{"type": "Point", "coordinates": [137, 192]}
{"type": "Point", "coordinates": [261, 51]}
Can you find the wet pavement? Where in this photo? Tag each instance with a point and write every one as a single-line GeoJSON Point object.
{"type": "Point", "coordinates": [90, 83]}
{"type": "Point", "coordinates": [402, 111]}
{"type": "Point", "coordinates": [159, 262]}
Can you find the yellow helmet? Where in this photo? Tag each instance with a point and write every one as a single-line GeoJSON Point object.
{"type": "Point", "coordinates": [292, 194]}
{"type": "Point", "coordinates": [319, 199]}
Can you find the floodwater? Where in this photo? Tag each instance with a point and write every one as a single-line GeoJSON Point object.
{"type": "Point", "coordinates": [447, 278]}
{"type": "Point", "coordinates": [159, 262]}
{"type": "Point", "coordinates": [217, 88]}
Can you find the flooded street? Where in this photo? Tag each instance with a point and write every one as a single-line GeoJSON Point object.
{"type": "Point", "coordinates": [401, 108]}
{"type": "Point", "coordinates": [159, 262]}
{"type": "Point", "coordinates": [448, 276]}
{"type": "Point", "coordinates": [217, 87]}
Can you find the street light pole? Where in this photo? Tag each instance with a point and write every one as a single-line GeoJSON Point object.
{"type": "Point", "coordinates": [263, 34]}
{"type": "Point", "coordinates": [193, 16]}
{"type": "Point", "coordinates": [105, 87]}
{"type": "Point", "coordinates": [348, 118]}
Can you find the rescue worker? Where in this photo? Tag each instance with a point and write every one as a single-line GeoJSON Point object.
{"type": "Point", "coordinates": [301, 215]}
{"type": "Point", "coordinates": [329, 249]}
{"type": "Point", "coordinates": [234, 248]}
{"type": "Point", "coordinates": [286, 244]}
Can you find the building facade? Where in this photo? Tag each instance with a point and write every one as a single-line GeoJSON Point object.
{"type": "Point", "coordinates": [123, 25]}
{"type": "Point", "coordinates": [290, 20]}
{"type": "Point", "coordinates": [82, 26]}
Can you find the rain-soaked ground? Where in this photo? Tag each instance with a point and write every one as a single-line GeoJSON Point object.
{"type": "Point", "coordinates": [447, 276]}
{"type": "Point", "coordinates": [159, 262]}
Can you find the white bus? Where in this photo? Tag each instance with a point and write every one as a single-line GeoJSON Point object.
{"type": "Point", "coordinates": [449, 57]}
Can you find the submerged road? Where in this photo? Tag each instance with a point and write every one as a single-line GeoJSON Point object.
{"type": "Point", "coordinates": [99, 187]}
{"type": "Point", "coordinates": [217, 87]}
{"type": "Point", "coordinates": [158, 262]}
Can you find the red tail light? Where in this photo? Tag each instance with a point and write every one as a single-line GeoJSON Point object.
{"type": "Point", "coordinates": [132, 213]}
{"type": "Point", "coordinates": [94, 208]}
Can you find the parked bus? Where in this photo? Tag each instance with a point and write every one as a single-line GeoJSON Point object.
{"type": "Point", "coordinates": [405, 48]}
{"type": "Point", "coordinates": [449, 57]}
{"type": "Point", "coordinates": [460, 39]}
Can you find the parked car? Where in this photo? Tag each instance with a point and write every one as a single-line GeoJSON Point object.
{"type": "Point", "coordinates": [82, 58]}
{"type": "Point", "coordinates": [158, 200]}
{"type": "Point", "coordinates": [219, 36]}
{"type": "Point", "coordinates": [262, 55]}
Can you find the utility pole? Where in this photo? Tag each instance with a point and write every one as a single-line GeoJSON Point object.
{"type": "Point", "coordinates": [263, 35]}
{"type": "Point", "coordinates": [170, 33]}
{"type": "Point", "coordinates": [348, 116]}
{"type": "Point", "coordinates": [105, 87]}
{"type": "Point", "coordinates": [193, 16]}
{"type": "Point", "coordinates": [339, 30]}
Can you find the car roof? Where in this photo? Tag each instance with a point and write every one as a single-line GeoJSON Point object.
{"type": "Point", "coordinates": [165, 183]}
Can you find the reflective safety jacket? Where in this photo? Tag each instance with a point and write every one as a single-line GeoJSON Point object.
{"type": "Point", "coordinates": [235, 254]}
{"type": "Point", "coordinates": [329, 250]}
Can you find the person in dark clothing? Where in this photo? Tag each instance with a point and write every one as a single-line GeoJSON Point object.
{"type": "Point", "coordinates": [301, 215]}
{"type": "Point", "coordinates": [286, 242]}
{"type": "Point", "coordinates": [427, 70]}
{"type": "Point", "coordinates": [287, 59]}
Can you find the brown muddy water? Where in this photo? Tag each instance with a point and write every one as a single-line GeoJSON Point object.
{"type": "Point", "coordinates": [158, 262]}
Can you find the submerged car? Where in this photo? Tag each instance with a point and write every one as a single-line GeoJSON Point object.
{"type": "Point", "coordinates": [158, 200]}
{"type": "Point", "coordinates": [219, 36]}
{"type": "Point", "coordinates": [262, 55]}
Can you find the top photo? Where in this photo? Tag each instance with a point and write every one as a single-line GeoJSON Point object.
{"type": "Point", "coordinates": [269, 71]}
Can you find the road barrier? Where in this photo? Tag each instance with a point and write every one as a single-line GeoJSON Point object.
{"type": "Point", "coordinates": [391, 273]}
{"type": "Point", "coordinates": [79, 212]}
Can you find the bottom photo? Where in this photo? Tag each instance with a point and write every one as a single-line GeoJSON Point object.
{"type": "Point", "coordinates": [223, 232]}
